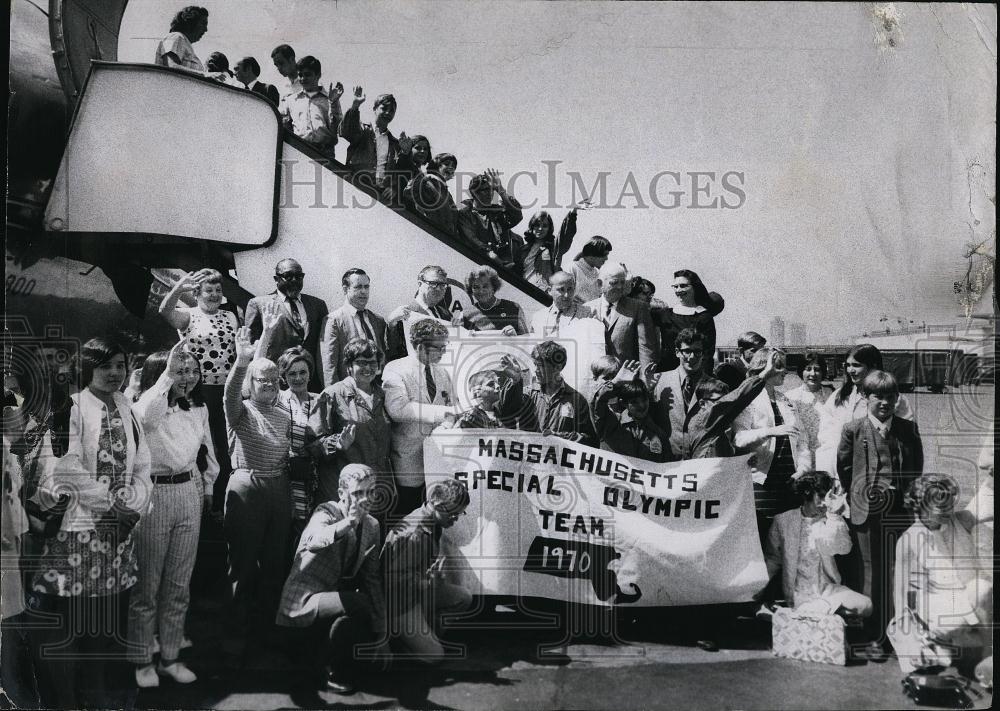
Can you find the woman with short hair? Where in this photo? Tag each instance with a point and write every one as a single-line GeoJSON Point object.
{"type": "Point", "coordinates": [210, 331]}
{"type": "Point", "coordinates": [176, 50]}
{"type": "Point", "coordinates": [295, 367]}
{"type": "Point", "coordinates": [87, 570]}
{"type": "Point", "coordinates": [258, 499]}
{"type": "Point", "coordinates": [356, 425]}
{"type": "Point", "coordinates": [810, 397]}
{"type": "Point", "coordinates": [170, 408]}
{"type": "Point", "coordinates": [488, 312]}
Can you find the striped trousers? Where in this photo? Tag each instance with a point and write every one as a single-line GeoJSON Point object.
{"type": "Point", "coordinates": [166, 542]}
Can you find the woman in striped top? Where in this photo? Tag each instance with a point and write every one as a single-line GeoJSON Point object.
{"type": "Point", "coordinates": [175, 419]}
{"type": "Point", "coordinates": [258, 501]}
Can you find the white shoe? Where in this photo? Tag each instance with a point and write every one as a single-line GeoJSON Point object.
{"type": "Point", "coordinates": [146, 677]}
{"type": "Point", "coordinates": [178, 672]}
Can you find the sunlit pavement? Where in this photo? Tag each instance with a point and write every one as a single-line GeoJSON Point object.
{"type": "Point", "coordinates": [654, 665]}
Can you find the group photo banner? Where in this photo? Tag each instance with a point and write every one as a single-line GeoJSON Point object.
{"type": "Point", "coordinates": [555, 519]}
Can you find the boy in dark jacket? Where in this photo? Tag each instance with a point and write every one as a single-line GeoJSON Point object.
{"type": "Point", "coordinates": [632, 432]}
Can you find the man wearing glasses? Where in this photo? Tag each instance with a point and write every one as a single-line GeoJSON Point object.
{"type": "Point", "coordinates": [674, 396]}
{"type": "Point", "coordinates": [431, 300]}
{"type": "Point", "coordinates": [629, 330]}
{"type": "Point", "coordinates": [301, 317]}
{"type": "Point", "coordinates": [418, 397]}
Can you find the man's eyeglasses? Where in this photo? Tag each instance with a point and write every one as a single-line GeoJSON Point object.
{"type": "Point", "coordinates": [691, 351]}
{"type": "Point", "coordinates": [291, 276]}
{"type": "Point", "coordinates": [436, 284]}
{"type": "Point", "coordinates": [266, 381]}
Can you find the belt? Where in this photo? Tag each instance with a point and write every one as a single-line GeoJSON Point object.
{"type": "Point", "coordinates": [261, 472]}
{"type": "Point", "coordinates": [172, 478]}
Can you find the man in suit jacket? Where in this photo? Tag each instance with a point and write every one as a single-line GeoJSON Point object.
{"type": "Point", "coordinates": [878, 457]}
{"type": "Point", "coordinates": [630, 333]}
{"type": "Point", "coordinates": [247, 70]}
{"type": "Point", "coordinates": [418, 396]}
{"type": "Point", "coordinates": [352, 320]}
{"type": "Point", "coordinates": [431, 300]}
{"type": "Point", "coordinates": [335, 584]}
{"type": "Point", "coordinates": [301, 321]}
{"type": "Point", "coordinates": [674, 397]}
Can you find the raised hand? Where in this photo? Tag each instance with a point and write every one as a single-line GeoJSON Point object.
{"type": "Point", "coordinates": [335, 91]}
{"type": "Point", "coordinates": [584, 204]}
{"type": "Point", "coordinates": [628, 371]}
{"type": "Point", "coordinates": [177, 356]}
{"type": "Point", "coordinates": [359, 96]}
{"type": "Point", "coordinates": [271, 315]}
{"type": "Point", "coordinates": [347, 435]}
{"type": "Point", "coordinates": [494, 177]}
{"type": "Point", "coordinates": [650, 377]}
{"type": "Point", "coordinates": [245, 347]}
{"type": "Point", "coordinates": [189, 282]}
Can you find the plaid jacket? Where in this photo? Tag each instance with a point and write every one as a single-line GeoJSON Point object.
{"type": "Point", "coordinates": [326, 547]}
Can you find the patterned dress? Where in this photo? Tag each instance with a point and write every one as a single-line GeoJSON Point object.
{"type": "Point", "coordinates": [212, 338]}
{"type": "Point", "coordinates": [94, 563]}
{"type": "Point", "coordinates": [303, 432]}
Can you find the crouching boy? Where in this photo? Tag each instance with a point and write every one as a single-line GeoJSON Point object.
{"type": "Point", "coordinates": [417, 592]}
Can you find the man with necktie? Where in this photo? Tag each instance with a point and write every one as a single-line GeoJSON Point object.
{"type": "Point", "coordinates": [674, 396]}
{"type": "Point", "coordinates": [301, 317]}
{"type": "Point", "coordinates": [352, 320]}
{"type": "Point", "coordinates": [879, 456]}
{"type": "Point", "coordinates": [334, 592]}
{"type": "Point", "coordinates": [418, 397]}
{"type": "Point", "coordinates": [630, 333]}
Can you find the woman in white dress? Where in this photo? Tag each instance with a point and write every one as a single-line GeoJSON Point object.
{"type": "Point", "coordinates": [176, 50]}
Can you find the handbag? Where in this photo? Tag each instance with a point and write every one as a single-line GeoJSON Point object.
{"type": "Point", "coordinates": [809, 636]}
{"type": "Point", "coordinates": [938, 690]}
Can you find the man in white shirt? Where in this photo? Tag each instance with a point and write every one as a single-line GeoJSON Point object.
{"type": "Point", "coordinates": [352, 320]}
{"type": "Point", "coordinates": [310, 113]}
{"type": "Point", "coordinates": [283, 57]}
{"type": "Point", "coordinates": [418, 397]}
{"type": "Point", "coordinates": [564, 309]}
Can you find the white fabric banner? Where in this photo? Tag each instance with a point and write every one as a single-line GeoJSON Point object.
{"type": "Point", "coordinates": [554, 519]}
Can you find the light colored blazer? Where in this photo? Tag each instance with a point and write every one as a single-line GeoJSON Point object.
{"type": "Point", "coordinates": [782, 549]}
{"type": "Point", "coordinates": [340, 327]}
{"type": "Point", "coordinates": [320, 567]}
{"type": "Point", "coordinates": [631, 334]}
{"type": "Point", "coordinates": [73, 474]}
{"type": "Point", "coordinates": [414, 415]}
{"type": "Point", "coordinates": [758, 415]}
{"type": "Point", "coordinates": [668, 401]}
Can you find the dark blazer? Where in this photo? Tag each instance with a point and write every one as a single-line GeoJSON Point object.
{"type": "Point", "coordinates": [287, 335]}
{"type": "Point", "coordinates": [339, 328]}
{"type": "Point", "coordinates": [629, 333]}
{"type": "Point", "coordinates": [268, 91]}
{"type": "Point", "coordinates": [320, 566]}
{"type": "Point", "coordinates": [865, 463]}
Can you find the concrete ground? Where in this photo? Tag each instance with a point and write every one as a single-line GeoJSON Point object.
{"type": "Point", "coordinates": [509, 663]}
